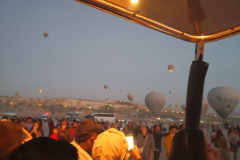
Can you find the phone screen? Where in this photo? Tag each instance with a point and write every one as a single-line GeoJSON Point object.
{"type": "Point", "coordinates": [130, 142]}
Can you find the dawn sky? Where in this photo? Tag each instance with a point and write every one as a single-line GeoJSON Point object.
{"type": "Point", "coordinates": [88, 48]}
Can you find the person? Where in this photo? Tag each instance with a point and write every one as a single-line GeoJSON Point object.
{"type": "Point", "coordinates": [22, 124]}
{"type": "Point", "coordinates": [234, 138]}
{"type": "Point", "coordinates": [167, 141]}
{"type": "Point", "coordinates": [204, 130]}
{"type": "Point", "coordinates": [152, 129]}
{"type": "Point", "coordinates": [85, 135]}
{"type": "Point", "coordinates": [63, 132]}
{"type": "Point", "coordinates": [221, 144]}
{"type": "Point", "coordinates": [74, 128]}
{"type": "Point", "coordinates": [112, 125]}
{"type": "Point", "coordinates": [28, 136]}
{"type": "Point", "coordinates": [36, 130]}
{"type": "Point", "coordinates": [11, 138]}
{"type": "Point", "coordinates": [29, 123]}
{"type": "Point", "coordinates": [45, 148]}
{"type": "Point", "coordinates": [100, 124]}
{"type": "Point", "coordinates": [182, 126]}
{"type": "Point", "coordinates": [45, 128]}
{"type": "Point", "coordinates": [54, 134]}
{"type": "Point", "coordinates": [112, 145]}
{"type": "Point", "coordinates": [158, 141]}
{"type": "Point", "coordinates": [146, 141]}
{"type": "Point", "coordinates": [51, 126]}
{"type": "Point", "coordinates": [128, 129]}
{"type": "Point", "coordinates": [190, 144]}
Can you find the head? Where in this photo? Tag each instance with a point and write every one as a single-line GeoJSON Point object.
{"type": "Point", "coordinates": [86, 133]}
{"type": "Point", "coordinates": [202, 126]}
{"type": "Point", "coordinates": [144, 130]}
{"type": "Point", "coordinates": [211, 153]}
{"type": "Point", "coordinates": [129, 124]}
{"type": "Point", "coordinates": [55, 130]}
{"type": "Point", "coordinates": [157, 128]}
{"type": "Point", "coordinates": [110, 145]}
{"type": "Point", "coordinates": [29, 120]}
{"type": "Point", "coordinates": [219, 133]}
{"type": "Point", "coordinates": [188, 144]}
{"type": "Point", "coordinates": [75, 124]}
{"type": "Point", "coordinates": [11, 138]}
{"type": "Point", "coordinates": [112, 126]}
{"type": "Point", "coordinates": [172, 130]}
{"type": "Point", "coordinates": [182, 126]}
{"type": "Point", "coordinates": [234, 131]}
{"type": "Point", "coordinates": [68, 120]}
{"type": "Point", "coordinates": [64, 124]}
{"type": "Point", "coordinates": [45, 148]}
{"type": "Point", "coordinates": [22, 123]}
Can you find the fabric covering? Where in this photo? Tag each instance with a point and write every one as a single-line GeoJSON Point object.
{"type": "Point", "coordinates": [110, 145]}
{"type": "Point", "coordinates": [82, 155]}
{"type": "Point", "coordinates": [85, 130]}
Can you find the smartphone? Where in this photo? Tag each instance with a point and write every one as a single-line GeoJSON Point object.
{"type": "Point", "coordinates": [130, 141]}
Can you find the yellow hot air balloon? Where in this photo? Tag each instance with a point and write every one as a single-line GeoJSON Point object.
{"type": "Point", "coordinates": [152, 91]}
{"type": "Point", "coordinates": [177, 105]}
{"type": "Point", "coordinates": [40, 90]}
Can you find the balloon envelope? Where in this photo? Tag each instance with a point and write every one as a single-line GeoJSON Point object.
{"type": "Point", "coordinates": [170, 92]}
{"type": "Point", "coordinates": [205, 106]}
{"type": "Point", "coordinates": [45, 34]}
{"type": "Point", "coordinates": [170, 67]}
{"type": "Point", "coordinates": [121, 90]}
{"type": "Point", "coordinates": [223, 100]}
{"type": "Point", "coordinates": [176, 105]}
{"type": "Point", "coordinates": [155, 102]}
{"type": "Point", "coordinates": [130, 97]}
{"type": "Point", "coordinates": [17, 94]}
{"type": "Point", "coordinates": [40, 91]}
{"type": "Point", "coordinates": [105, 86]}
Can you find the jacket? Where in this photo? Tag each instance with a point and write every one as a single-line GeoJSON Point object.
{"type": "Point", "coordinates": [158, 139]}
{"type": "Point", "coordinates": [83, 155]}
{"type": "Point", "coordinates": [167, 142]}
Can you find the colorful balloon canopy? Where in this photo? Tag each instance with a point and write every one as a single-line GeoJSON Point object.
{"type": "Point", "coordinates": [170, 92]}
{"type": "Point", "coordinates": [40, 90]}
{"type": "Point", "coordinates": [130, 97]}
{"type": "Point", "coordinates": [152, 91]}
{"type": "Point", "coordinates": [177, 105]}
{"type": "Point", "coordinates": [155, 102]}
{"type": "Point", "coordinates": [170, 67]}
{"type": "Point", "coordinates": [170, 105]}
{"type": "Point", "coordinates": [121, 90]}
{"type": "Point", "coordinates": [223, 100]}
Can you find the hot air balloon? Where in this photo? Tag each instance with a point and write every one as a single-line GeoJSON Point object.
{"type": "Point", "coordinates": [223, 100]}
{"type": "Point", "coordinates": [121, 90]}
{"type": "Point", "coordinates": [17, 94]}
{"type": "Point", "coordinates": [105, 86]}
{"type": "Point", "coordinates": [40, 90]}
{"type": "Point", "coordinates": [170, 67]}
{"type": "Point", "coordinates": [152, 91]}
{"type": "Point", "coordinates": [183, 107]}
{"type": "Point", "coordinates": [170, 105]}
{"type": "Point", "coordinates": [45, 34]}
{"type": "Point", "coordinates": [155, 102]}
{"type": "Point", "coordinates": [170, 92]}
{"type": "Point", "coordinates": [205, 106]}
{"type": "Point", "coordinates": [177, 105]}
{"type": "Point", "coordinates": [130, 97]}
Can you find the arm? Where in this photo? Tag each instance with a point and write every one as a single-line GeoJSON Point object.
{"type": "Point", "coordinates": [29, 137]}
{"type": "Point", "coordinates": [152, 145]}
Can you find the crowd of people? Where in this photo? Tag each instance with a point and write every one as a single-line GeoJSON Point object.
{"type": "Point", "coordinates": [28, 138]}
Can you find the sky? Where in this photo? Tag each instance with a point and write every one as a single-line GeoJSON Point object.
{"type": "Point", "coordinates": [87, 48]}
